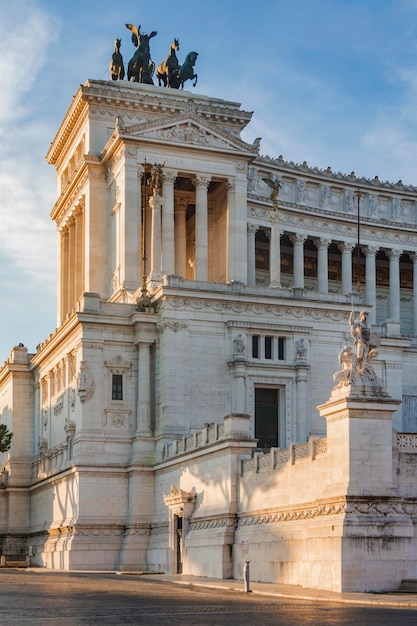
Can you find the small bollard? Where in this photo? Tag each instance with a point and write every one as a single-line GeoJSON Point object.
{"type": "Point", "coordinates": [246, 576]}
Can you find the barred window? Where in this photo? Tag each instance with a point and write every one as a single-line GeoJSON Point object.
{"type": "Point", "coordinates": [268, 348]}
{"type": "Point", "coordinates": [117, 387]}
{"type": "Point", "coordinates": [266, 417]}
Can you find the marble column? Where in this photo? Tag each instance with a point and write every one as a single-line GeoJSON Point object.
{"type": "Point", "coordinates": [143, 426]}
{"type": "Point", "coordinates": [275, 251]}
{"type": "Point", "coordinates": [63, 265]}
{"type": "Point", "coordinates": [201, 227]}
{"type": "Point", "coordinates": [413, 257]}
{"type": "Point", "coordinates": [252, 230]}
{"type": "Point", "coordinates": [181, 238]}
{"type": "Point", "coordinates": [394, 285]}
{"type": "Point", "coordinates": [71, 264]}
{"type": "Point", "coordinates": [298, 242]}
{"type": "Point", "coordinates": [322, 264]}
{"type": "Point", "coordinates": [346, 250]}
{"type": "Point", "coordinates": [237, 261]}
{"type": "Point", "coordinates": [370, 281]}
{"type": "Point", "coordinates": [302, 413]}
{"type": "Point", "coordinates": [155, 204]}
{"type": "Point", "coordinates": [79, 253]}
{"type": "Point", "coordinates": [168, 232]}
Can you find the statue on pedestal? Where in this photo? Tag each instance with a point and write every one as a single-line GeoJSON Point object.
{"type": "Point", "coordinates": [117, 69]}
{"type": "Point", "coordinates": [356, 362]}
{"type": "Point", "coordinates": [141, 67]}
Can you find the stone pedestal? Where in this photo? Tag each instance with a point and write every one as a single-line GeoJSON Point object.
{"type": "Point", "coordinates": [359, 435]}
{"type": "Point", "coordinates": [376, 535]}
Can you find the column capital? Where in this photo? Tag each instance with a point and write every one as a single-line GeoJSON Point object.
{"type": "Point", "coordinates": [394, 254]}
{"type": "Point", "coordinates": [345, 246]}
{"type": "Point", "coordinates": [321, 243]}
{"type": "Point", "coordinates": [231, 184]}
{"type": "Point", "coordinates": [181, 205]}
{"type": "Point", "coordinates": [370, 250]}
{"type": "Point", "coordinates": [201, 181]}
{"type": "Point", "coordinates": [169, 176]}
{"type": "Point", "coordinates": [297, 238]}
{"type": "Point", "coordinates": [413, 256]}
{"type": "Point", "coordinates": [252, 228]}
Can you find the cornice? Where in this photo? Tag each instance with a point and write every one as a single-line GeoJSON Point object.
{"type": "Point", "coordinates": [226, 305]}
{"type": "Point", "coordinates": [351, 179]}
{"type": "Point", "coordinates": [66, 128]}
{"type": "Point", "coordinates": [340, 226]}
{"type": "Point", "coordinates": [162, 100]}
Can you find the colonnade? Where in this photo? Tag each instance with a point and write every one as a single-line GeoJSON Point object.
{"type": "Point", "coordinates": [71, 262]}
{"type": "Point", "coordinates": [346, 248]}
{"type": "Point", "coordinates": [168, 230]}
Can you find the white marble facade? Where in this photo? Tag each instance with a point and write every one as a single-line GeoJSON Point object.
{"type": "Point", "coordinates": [199, 324]}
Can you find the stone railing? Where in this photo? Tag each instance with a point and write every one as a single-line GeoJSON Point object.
{"type": "Point", "coordinates": [278, 456]}
{"type": "Point", "coordinates": [407, 442]}
{"type": "Point", "coordinates": [209, 433]}
{"type": "Point", "coordinates": [51, 461]}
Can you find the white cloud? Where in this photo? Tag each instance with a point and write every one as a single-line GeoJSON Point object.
{"type": "Point", "coordinates": [27, 188]}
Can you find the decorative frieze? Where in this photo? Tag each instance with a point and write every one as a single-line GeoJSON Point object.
{"type": "Point", "coordinates": [292, 514]}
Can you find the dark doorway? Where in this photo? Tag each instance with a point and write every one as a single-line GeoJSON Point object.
{"type": "Point", "coordinates": [178, 535]}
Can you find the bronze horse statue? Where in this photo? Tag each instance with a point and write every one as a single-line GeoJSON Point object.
{"type": "Point", "coordinates": [184, 72]}
{"type": "Point", "coordinates": [169, 66]}
{"type": "Point", "coordinates": [116, 67]}
{"type": "Point", "coordinates": [141, 67]}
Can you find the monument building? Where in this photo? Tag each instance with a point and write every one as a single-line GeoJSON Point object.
{"type": "Point", "coordinates": [206, 297]}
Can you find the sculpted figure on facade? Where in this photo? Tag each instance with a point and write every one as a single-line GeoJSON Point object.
{"type": "Point", "coordinates": [343, 376]}
{"type": "Point", "coordinates": [85, 383]}
{"type": "Point", "coordinates": [165, 70]}
{"type": "Point", "coordinates": [349, 201]}
{"type": "Point", "coordinates": [117, 68]}
{"type": "Point", "coordinates": [141, 67]}
{"type": "Point", "coordinates": [373, 205]}
{"type": "Point", "coordinates": [300, 350]}
{"type": "Point", "coordinates": [356, 361]}
{"type": "Point", "coordinates": [239, 346]}
{"type": "Point", "coordinates": [156, 177]}
{"type": "Point", "coordinates": [365, 344]}
{"type": "Point", "coordinates": [252, 177]}
{"type": "Point", "coordinates": [275, 185]}
{"type": "Point", "coordinates": [301, 192]}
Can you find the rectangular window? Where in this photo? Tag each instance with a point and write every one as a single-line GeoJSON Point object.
{"type": "Point", "coordinates": [266, 417]}
{"type": "Point", "coordinates": [117, 387]}
{"type": "Point", "coordinates": [255, 346]}
{"type": "Point", "coordinates": [268, 347]}
{"type": "Point", "coordinates": [281, 348]}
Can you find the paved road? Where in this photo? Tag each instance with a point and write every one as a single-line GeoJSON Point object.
{"type": "Point", "coordinates": [79, 599]}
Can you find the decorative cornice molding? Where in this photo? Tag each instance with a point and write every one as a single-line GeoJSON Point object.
{"type": "Point", "coordinates": [347, 506]}
{"type": "Point", "coordinates": [337, 507]}
{"type": "Point", "coordinates": [279, 311]}
{"type": "Point", "coordinates": [333, 225]}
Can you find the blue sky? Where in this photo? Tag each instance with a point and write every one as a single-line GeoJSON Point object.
{"type": "Point", "coordinates": [331, 82]}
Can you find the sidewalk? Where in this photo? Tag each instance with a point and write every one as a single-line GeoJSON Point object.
{"type": "Point", "coordinates": [397, 599]}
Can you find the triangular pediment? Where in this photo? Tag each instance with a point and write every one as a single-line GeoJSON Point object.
{"type": "Point", "coordinates": [189, 130]}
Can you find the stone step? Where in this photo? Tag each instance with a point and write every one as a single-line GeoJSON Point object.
{"type": "Point", "coordinates": [409, 585]}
